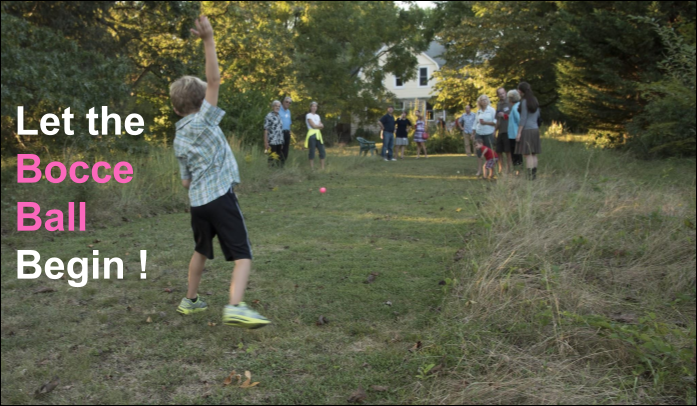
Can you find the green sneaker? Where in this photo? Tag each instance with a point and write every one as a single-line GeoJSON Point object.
{"type": "Point", "coordinates": [188, 307]}
{"type": "Point", "coordinates": [244, 317]}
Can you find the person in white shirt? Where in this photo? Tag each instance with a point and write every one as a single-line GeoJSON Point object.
{"type": "Point", "coordinates": [314, 140]}
{"type": "Point", "coordinates": [484, 127]}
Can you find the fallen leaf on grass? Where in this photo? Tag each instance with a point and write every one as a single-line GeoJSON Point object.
{"type": "Point", "coordinates": [388, 303]}
{"type": "Point", "coordinates": [233, 375]}
{"type": "Point", "coordinates": [44, 289]}
{"type": "Point", "coordinates": [96, 241]}
{"type": "Point", "coordinates": [168, 290]}
{"type": "Point", "coordinates": [416, 347]}
{"type": "Point", "coordinates": [211, 324]}
{"type": "Point", "coordinates": [149, 320]}
{"type": "Point", "coordinates": [322, 321]}
{"type": "Point", "coordinates": [90, 246]}
{"type": "Point", "coordinates": [248, 383]}
{"type": "Point", "coordinates": [379, 388]}
{"type": "Point", "coordinates": [48, 386]}
{"type": "Point", "coordinates": [458, 210]}
{"type": "Point", "coordinates": [359, 396]}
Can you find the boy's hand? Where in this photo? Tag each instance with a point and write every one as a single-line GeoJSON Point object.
{"type": "Point", "coordinates": [203, 30]}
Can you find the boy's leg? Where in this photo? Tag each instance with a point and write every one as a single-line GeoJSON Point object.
{"type": "Point", "coordinates": [192, 303]}
{"type": "Point", "coordinates": [196, 266]}
{"type": "Point", "coordinates": [240, 279]}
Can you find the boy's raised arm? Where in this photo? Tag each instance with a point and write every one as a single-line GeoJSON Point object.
{"type": "Point", "coordinates": [204, 30]}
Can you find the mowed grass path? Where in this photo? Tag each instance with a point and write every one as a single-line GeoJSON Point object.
{"type": "Point", "coordinates": [313, 254]}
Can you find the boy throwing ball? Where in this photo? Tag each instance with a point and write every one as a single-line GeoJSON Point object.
{"type": "Point", "coordinates": [491, 158]}
{"type": "Point", "coordinates": [209, 170]}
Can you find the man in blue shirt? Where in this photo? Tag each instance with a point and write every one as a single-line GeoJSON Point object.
{"type": "Point", "coordinates": [284, 112]}
{"type": "Point", "coordinates": [387, 126]}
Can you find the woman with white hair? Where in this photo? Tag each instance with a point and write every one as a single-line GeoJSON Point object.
{"type": "Point", "coordinates": [484, 128]}
{"type": "Point", "coordinates": [273, 133]}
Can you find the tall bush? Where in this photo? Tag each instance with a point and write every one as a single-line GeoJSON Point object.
{"type": "Point", "coordinates": [667, 124]}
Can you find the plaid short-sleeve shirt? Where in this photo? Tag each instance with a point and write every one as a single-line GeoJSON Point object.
{"type": "Point", "coordinates": [205, 156]}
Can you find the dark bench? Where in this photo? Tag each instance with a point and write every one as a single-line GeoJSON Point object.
{"type": "Point", "coordinates": [366, 146]}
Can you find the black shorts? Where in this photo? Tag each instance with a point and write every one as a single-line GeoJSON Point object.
{"type": "Point", "coordinates": [221, 217]}
{"type": "Point", "coordinates": [503, 145]}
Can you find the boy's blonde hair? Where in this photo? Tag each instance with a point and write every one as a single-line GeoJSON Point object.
{"type": "Point", "coordinates": [187, 94]}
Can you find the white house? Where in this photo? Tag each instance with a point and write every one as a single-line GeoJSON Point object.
{"type": "Point", "coordinates": [416, 91]}
{"type": "Point", "coordinates": [421, 89]}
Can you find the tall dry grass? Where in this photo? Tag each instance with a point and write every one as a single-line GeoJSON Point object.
{"type": "Point", "coordinates": [582, 289]}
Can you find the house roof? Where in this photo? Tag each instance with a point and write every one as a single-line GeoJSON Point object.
{"type": "Point", "coordinates": [435, 51]}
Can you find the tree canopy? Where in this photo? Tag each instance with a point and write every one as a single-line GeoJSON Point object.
{"type": "Point", "coordinates": [598, 66]}
{"type": "Point", "coordinates": [588, 62]}
{"type": "Point", "coordinates": [125, 55]}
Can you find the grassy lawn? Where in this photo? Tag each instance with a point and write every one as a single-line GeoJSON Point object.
{"type": "Point", "coordinates": [504, 285]}
{"type": "Point", "coordinates": [313, 254]}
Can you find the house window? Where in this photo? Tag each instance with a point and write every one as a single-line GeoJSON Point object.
{"type": "Point", "coordinates": [423, 77]}
{"type": "Point", "coordinates": [429, 112]}
{"type": "Point", "coordinates": [398, 83]}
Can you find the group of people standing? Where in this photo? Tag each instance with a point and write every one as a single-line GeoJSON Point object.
{"type": "Point", "coordinates": [400, 138]}
{"type": "Point", "coordinates": [277, 133]}
{"type": "Point", "coordinates": [512, 130]}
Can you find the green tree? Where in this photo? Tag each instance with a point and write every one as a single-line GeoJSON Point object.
{"type": "Point", "coordinates": [607, 54]}
{"type": "Point", "coordinates": [496, 43]}
{"type": "Point", "coordinates": [667, 124]}
{"type": "Point", "coordinates": [344, 49]}
{"type": "Point", "coordinates": [46, 73]}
